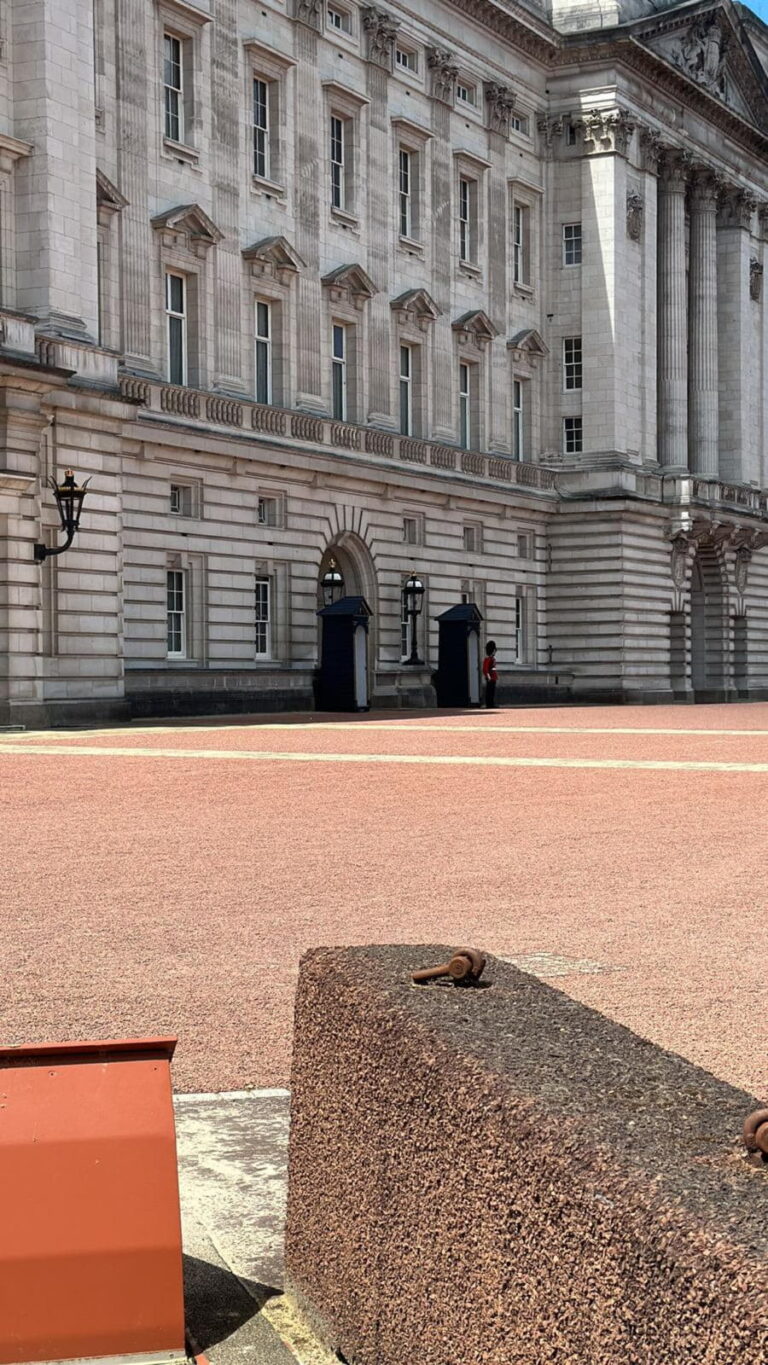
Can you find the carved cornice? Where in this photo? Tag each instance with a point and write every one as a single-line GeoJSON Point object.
{"type": "Point", "coordinates": [499, 104]}
{"type": "Point", "coordinates": [415, 307]}
{"type": "Point", "coordinates": [606, 130]}
{"type": "Point", "coordinates": [636, 57]}
{"type": "Point", "coordinates": [380, 32]}
{"type": "Point", "coordinates": [516, 25]}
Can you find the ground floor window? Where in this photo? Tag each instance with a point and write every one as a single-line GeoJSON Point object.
{"type": "Point", "coordinates": [176, 612]}
{"type": "Point", "coordinates": [263, 614]}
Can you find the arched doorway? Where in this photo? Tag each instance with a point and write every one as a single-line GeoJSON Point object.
{"type": "Point", "coordinates": [709, 620]}
{"type": "Point", "coordinates": [355, 562]}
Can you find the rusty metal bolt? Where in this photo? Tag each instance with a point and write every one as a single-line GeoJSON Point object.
{"type": "Point", "coordinates": [465, 966]}
{"type": "Point", "coordinates": [755, 1133]}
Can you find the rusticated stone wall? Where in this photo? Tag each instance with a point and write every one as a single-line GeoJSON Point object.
{"type": "Point", "coordinates": [504, 1176]}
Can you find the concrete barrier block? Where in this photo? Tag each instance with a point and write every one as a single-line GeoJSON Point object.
{"type": "Point", "coordinates": [501, 1175]}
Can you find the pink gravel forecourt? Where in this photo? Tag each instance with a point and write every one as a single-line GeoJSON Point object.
{"type": "Point", "coordinates": [166, 878]}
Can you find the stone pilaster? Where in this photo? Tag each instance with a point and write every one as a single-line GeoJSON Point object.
{"type": "Point", "coordinates": [227, 261]}
{"type": "Point", "coordinates": [133, 174]}
{"type": "Point", "coordinates": [739, 454]}
{"type": "Point", "coordinates": [379, 211]}
{"type": "Point", "coordinates": [672, 348]}
{"type": "Point", "coordinates": [702, 304]}
{"type": "Point", "coordinates": [56, 185]}
{"type": "Point", "coordinates": [444, 360]}
{"type": "Point", "coordinates": [310, 128]}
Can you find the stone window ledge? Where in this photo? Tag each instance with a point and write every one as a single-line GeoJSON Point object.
{"type": "Point", "coordinates": [180, 151]}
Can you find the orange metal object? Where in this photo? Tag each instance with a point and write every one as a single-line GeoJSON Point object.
{"type": "Point", "coordinates": [90, 1228]}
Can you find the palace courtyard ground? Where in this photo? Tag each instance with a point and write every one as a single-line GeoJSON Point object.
{"type": "Point", "coordinates": [166, 879]}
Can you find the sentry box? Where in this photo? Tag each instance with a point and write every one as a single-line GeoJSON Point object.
{"type": "Point", "coordinates": [90, 1228]}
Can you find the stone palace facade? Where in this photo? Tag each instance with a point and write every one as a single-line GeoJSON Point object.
{"type": "Point", "coordinates": [471, 288]}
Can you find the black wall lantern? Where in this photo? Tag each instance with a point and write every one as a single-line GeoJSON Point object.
{"type": "Point", "coordinates": [69, 500]}
{"type": "Point", "coordinates": [413, 601]}
{"type": "Point", "coordinates": [332, 584]}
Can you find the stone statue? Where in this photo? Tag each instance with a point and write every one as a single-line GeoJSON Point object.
{"type": "Point", "coordinates": [700, 53]}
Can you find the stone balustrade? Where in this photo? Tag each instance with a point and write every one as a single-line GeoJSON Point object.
{"type": "Point", "coordinates": [217, 410]}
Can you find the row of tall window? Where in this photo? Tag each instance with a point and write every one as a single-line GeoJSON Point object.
{"type": "Point", "coordinates": [178, 619]}
{"type": "Point", "coordinates": [343, 151]}
{"type": "Point", "coordinates": [410, 378]}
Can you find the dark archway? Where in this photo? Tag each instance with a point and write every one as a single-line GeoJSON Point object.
{"type": "Point", "coordinates": [354, 559]}
{"type": "Point", "coordinates": [709, 626]}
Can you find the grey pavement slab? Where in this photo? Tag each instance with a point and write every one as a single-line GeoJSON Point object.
{"type": "Point", "coordinates": [232, 1152]}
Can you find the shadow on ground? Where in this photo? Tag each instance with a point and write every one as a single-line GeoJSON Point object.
{"type": "Point", "coordinates": [218, 1304]}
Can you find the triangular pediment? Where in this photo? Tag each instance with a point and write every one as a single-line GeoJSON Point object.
{"type": "Point", "coordinates": [528, 342]}
{"type": "Point", "coordinates": [192, 220]}
{"type": "Point", "coordinates": [276, 253]}
{"type": "Point", "coordinates": [108, 195]}
{"type": "Point", "coordinates": [708, 46]}
{"type": "Point", "coordinates": [476, 326]}
{"type": "Point", "coordinates": [418, 304]}
{"type": "Point", "coordinates": [350, 281]}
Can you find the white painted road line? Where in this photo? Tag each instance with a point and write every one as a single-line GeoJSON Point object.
{"type": "Point", "coordinates": [404, 727]}
{"type": "Point", "coordinates": [449, 760]}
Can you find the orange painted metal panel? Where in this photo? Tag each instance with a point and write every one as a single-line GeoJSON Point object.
{"type": "Point", "coordinates": [90, 1229]}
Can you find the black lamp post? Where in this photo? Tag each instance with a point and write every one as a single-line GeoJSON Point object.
{"type": "Point", "coordinates": [413, 601]}
{"type": "Point", "coordinates": [332, 584]}
{"type": "Point", "coordinates": [69, 500]}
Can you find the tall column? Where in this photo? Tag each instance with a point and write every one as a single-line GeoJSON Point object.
{"type": "Point", "coordinates": [702, 303]}
{"type": "Point", "coordinates": [672, 313]}
{"type": "Point", "coordinates": [740, 459]}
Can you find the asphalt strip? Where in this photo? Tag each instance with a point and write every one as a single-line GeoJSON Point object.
{"type": "Point", "coordinates": [444, 760]}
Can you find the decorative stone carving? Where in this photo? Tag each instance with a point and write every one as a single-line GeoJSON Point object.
{"type": "Point", "coordinates": [736, 209]}
{"type": "Point", "coordinates": [755, 279]}
{"type": "Point", "coordinates": [706, 187]}
{"type": "Point", "coordinates": [675, 168]}
{"type": "Point", "coordinates": [551, 127]}
{"type": "Point", "coordinates": [499, 102]}
{"type": "Point", "coordinates": [762, 218]}
{"type": "Point", "coordinates": [189, 227]}
{"type": "Point", "coordinates": [635, 212]}
{"type": "Point", "coordinates": [679, 563]}
{"type": "Point", "coordinates": [700, 53]}
{"type": "Point", "coordinates": [651, 149]}
{"type": "Point", "coordinates": [474, 328]}
{"type": "Point", "coordinates": [741, 564]}
{"type": "Point", "coordinates": [607, 130]}
{"type": "Point", "coordinates": [349, 284]}
{"type": "Point", "coordinates": [415, 307]}
{"type": "Point", "coordinates": [309, 12]}
{"type": "Point", "coordinates": [380, 30]}
{"type": "Point", "coordinates": [444, 72]}
{"type": "Point", "coordinates": [274, 258]}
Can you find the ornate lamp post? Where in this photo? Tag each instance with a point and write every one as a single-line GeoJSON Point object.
{"type": "Point", "coordinates": [69, 500]}
{"type": "Point", "coordinates": [413, 601]}
{"type": "Point", "coordinates": [332, 584]}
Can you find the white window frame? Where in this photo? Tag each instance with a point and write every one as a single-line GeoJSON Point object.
{"type": "Point", "coordinates": [174, 96]}
{"type": "Point", "coordinates": [519, 395]}
{"type": "Point", "coordinates": [414, 521]}
{"type": "Point", "coordinates": [344, 16]}
{"type": "Point", "coordinates": [339, 151]}
{"type": "Point", "coordinates": [405, 390]}
{"type": "Point", "coordinates": [181, 500]}
{"type": "Point", "coordinates": [406, 169]}
{"type": "Point", "coordinates": [172, 315]}
{"type": "Point", "coordinates": [573, 435]}
{"type": "Point", "coordinates": [467, 220]}
{"type": "Point", "coordinates": [339, 332]}
{"type": "Point", "coordinates": [519, 263]}
{"type": "Point", "coordinates": [572, 244]}
{"type": "Point", "coordinates": [411, 62]}
{"type": "Point", "coordinates": [262, 348]}
{"type": "Point", "coordinates": [177, 614]}
{"type": "Point", "coordinates": [465, 405]}
{"type": "Point", "coordinates": [573, 364]}
{"type": "Point", "coordinates": [262, 612]}
{"type": "Point", "coordinates": [519, 628]}
{"type": "Point", "coordinates": [520, 123]}
{"type": "Point", "coordinates": [268, 510]}
{"type": "Point", "coordinates": [262, 131]}
{"type": "Point", "coordinates": [472, 537]}
{"type": "Point", "coordinates": [466, 92]}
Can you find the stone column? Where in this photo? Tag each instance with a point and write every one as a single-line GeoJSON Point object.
{"type": "Point", "coordinates": [702, 304]}
{"type": "Point", "coordinates": [740, 459]}
{"type": "Point", "coordinates": [672, 314]}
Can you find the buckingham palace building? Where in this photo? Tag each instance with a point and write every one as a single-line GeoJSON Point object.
{"type": "Point", "coordinates": [466, 290]}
